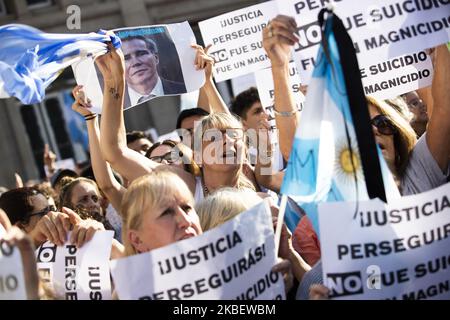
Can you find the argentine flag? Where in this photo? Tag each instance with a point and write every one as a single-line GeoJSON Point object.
{"type": "Point", "coordinates": [325, 163]}
{"type": "Point", "coordinates": [31, 59]}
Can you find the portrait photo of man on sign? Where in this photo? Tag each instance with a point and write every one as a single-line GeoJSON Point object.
{"type": "Point", "coordinates": [152, 66]}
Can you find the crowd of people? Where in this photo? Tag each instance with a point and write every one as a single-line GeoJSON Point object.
{"type": "Point", "coordinates": [155, 194]}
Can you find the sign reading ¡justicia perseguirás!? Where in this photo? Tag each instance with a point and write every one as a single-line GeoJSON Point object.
{"type": "Point", "coordinates": [395, 251]}
{"type": "Point", "coordinates": [77, 273]}
{"type": "Point", "coordinates": [12, 282]}
{"type": "Point", "coordinates": [232, 261]}
{"type": "Point", "coordinates": [380, 30]}
{"type": "Point", "coordinates": [236, 39]}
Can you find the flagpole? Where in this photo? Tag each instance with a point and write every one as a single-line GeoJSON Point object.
{"type": "Point", "coordinates": [280, 220]}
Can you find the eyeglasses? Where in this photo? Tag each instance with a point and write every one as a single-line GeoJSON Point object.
{"type": "Point", "coordinates": [218, 134]}
{"type": "Point", "coordinates": [41, 213]}
{"type": "Point", "coordinates": [384, 125]}
{"type": "Point", "coordinates": [167, 156]}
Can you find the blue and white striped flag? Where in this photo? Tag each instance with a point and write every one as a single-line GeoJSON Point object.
{"type": "Point", "coordinates": [325, 162]}
{"type": "Point", "coordinates": [31, 59]}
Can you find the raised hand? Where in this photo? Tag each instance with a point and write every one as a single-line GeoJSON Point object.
{"type": "Point", "coordinates": [83, 230]}
{"type": "Point", "coordinates": [82, 104]}
{"type": "Point", "coordinates": [112, 64]}
{"type": "Point", "coordinates": [203, 60]}
{"type": "Point", "coordinates": [278, 38]}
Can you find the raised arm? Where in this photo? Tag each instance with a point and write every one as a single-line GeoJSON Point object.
{"type": "Point", "coordinates": [278, 38]}
{"type": "Point", "coordinates": [129, 163]}
{"type": "Point", "coordinates": [264, 173]}
{"type": "Point", "coordinates": [438, 131]}
{"type": "Point", "coordinates": [102, 170]}
{"type": "Point", "coordinates": [209, 97]}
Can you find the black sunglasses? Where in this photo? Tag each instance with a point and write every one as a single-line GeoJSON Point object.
{"type": "Point", "coordinates": [41, 213]}
{"type": "Point", "coordinates": [384, 125]}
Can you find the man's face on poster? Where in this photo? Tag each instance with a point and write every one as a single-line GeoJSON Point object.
{"type": "Point", "coordinates": [140, 62]}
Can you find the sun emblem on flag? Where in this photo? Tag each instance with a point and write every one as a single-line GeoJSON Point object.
{"type": "Point", "coordinates": [348, 163]}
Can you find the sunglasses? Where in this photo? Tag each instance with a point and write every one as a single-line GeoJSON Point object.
{"type": "Point", "coordinates": [384, 125]}
{"type": "Point", "coordinates": [167, 157]}
{"type": "Point", "coordinates": [41, 213]}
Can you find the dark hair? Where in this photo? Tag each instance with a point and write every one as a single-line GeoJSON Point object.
{"type": "Point", "coordinates": [17, 203]}
{"type": "Point", "coordinates": [59, 174]}
{"type": "Point", "coordinates": [244, 101]}
{"type": "Point", "coordinates": [189, 113]}
{"type": "Point", "coordinates": [184, 152]}
{"type": "Point", "coordinates": [136, 135]}
{"type": "Point", "coordinates": [88, 172]}
{"type": "Point", "coordinates": [151, 44]}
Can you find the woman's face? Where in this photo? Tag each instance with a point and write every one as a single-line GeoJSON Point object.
{"type": "Point", "coordinates": [173, 221]}
{"type": "Point", "coordinates": [85, 196]}
{"type": "Point", "coordinates": [223, 149]}
{"type": "Point", "coordinates": [385, 142]}
{"type": "Point", "coordinates": [40, 205]}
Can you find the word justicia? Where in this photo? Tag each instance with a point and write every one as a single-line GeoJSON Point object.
{"type": "Point", "coordinates": [383, 217]}
{"type": "Point", "coordinates": [203, 253]}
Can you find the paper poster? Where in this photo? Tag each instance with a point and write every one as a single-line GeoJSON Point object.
{"type": "Point", "coordinates": [78, 273]}
{"type": "Point", "coordinates": [397, 76]}
{"type": "Point", "coordinates": [381, 30]}
{"type": "Point", "coordinates": [159, 61]}
{"type": "Point", "coordinates": [232, 261]}
{"type": "Point", "coordinates": [236, 39]}
{"type": "Point", "coordinates": [12, 282]}
{"type": "Point", "coordinates": [395, 251]}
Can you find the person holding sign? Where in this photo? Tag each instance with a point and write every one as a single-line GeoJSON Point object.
{"type": "Point", "coordinates": [417, 166]}
{"type": "Point", "coordinates": [222, 168]}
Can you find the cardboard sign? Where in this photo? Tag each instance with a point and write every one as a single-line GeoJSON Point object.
{"type": "Point", "coordinates": [159, 61]}
{"type": "Point", "coordinates": [399, 250]}
{"type": "Point", "coordinates": [78, 273]}
{"type": "Point", "coordinates": [237, 40]}
{"type": "Point", "coordinates": [12, 282]}
{"type": "Point", "coordinates": [381, 30]}
{"type": "Point", "coordinates": [232, 261]}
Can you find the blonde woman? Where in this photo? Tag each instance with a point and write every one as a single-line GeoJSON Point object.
{"type": "Point", "coordinates": [220, 139]}
{"type": "Point", "coordinates": [158, 210]}
{"type": "Point", "coordinates": [224, 205]}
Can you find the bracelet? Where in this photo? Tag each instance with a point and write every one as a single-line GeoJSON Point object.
{"type": "Point", "coordinates": [90, 116]}
{"type": "Point", "coordinates": [285, 113]}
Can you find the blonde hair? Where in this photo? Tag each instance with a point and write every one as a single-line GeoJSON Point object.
{"type": "Point", "coordinates": [145, 193]}
{"type": "Point", "coordinates": [404, 139]}
{"type": "Point", "coordinates": [223, 205]}
{"type": "Point", "coordinates": [221, 120]}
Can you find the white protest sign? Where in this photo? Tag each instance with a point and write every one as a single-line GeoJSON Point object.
{"type": "Point", "coordinates": [242, 83]}
{"type": "Point", "coordinates": [397, 76]}
{"type": "Point", "coordinates": [12, 282]}
{"type": "Point", "coordinates": [380, 30]}
{"type": "Point", "coordinates": [232, 261]}
{"type": "Point", "coordinates": [397, 251]}
{"type": "Point", "coordinates": [264, 83]}
{"type": "Point", "coordinates": [237, 40]}
{"type": "Point", "coordinates": [159, 61]}
{"type": "Point", "coordinates": [78, 273]}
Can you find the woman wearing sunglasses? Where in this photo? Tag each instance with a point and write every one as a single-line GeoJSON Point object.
{"type": "Point", "coordinates": [36, 214]}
